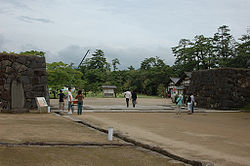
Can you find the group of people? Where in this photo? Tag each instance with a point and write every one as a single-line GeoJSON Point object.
{"type": "Point", "coordinates": [190, 103]}
{"type": "Point", "coordinates": [129, 95]}
{"type": "Point", "coordinates": [70, 98]}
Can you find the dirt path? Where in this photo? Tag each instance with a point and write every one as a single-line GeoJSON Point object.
{"type": "Point", "coordinates": [222, 138]}
{"type": "Point", "coordinates": [67, 144]}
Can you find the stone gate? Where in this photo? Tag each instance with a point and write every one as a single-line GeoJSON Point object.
{"type": "Point", "coordinates": [227, 88]}
{"type": "Point", "coordinates": [22, 78]}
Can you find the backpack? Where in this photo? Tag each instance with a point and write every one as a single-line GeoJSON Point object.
{"type": "Point", "coordinates": [189, 99]}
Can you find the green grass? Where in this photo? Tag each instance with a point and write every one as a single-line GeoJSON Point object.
{"type": "Point", "coordinates": [150, 97]}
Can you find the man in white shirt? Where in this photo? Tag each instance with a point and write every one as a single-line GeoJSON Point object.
{"type": "Point", "coordinates": [70, 100]}
{"type": "Point", "coordinates": [127, 95]}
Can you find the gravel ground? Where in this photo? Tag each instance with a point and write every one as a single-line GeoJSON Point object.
{"type": "Point", "coordinates": [51, 140]}
{"type": "Point", "coordinates": [221, 138]}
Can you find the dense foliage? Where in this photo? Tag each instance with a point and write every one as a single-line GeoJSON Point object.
{"type": "Point", "coordinates": [218, 51]}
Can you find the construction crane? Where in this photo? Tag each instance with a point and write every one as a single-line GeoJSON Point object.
{"type": "Point", "coordinates": [83, 59]}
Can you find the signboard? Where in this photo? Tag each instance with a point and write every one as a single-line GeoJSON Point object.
{"type": "Point", "coordinates": [42, 105]}
{"type": "Point", "coordinates": [41, 102]}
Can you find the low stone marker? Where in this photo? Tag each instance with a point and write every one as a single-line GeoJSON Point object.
{"type": "Point", "coordinates": [42, 105]}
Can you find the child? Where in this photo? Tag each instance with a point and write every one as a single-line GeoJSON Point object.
{"type": "Point", "coordinates": [80, 98]}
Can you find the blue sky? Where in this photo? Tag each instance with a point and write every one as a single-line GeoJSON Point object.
{"type": "Point", "coordinates": [130, 30]}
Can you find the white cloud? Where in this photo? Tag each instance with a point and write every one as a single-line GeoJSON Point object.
{"type": "Point", "coordinates": [131, 30]}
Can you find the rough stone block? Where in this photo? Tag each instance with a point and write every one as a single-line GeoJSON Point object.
{"type": "Point", "coordinates": [29, 72]}
{"type": "Point", "coordinates": [25, 80]}
{"type": "Point", "coordinates": [40, 72]}
{"type": "Point", "coordinates": [5, 95]}
{"type": "Point", "coordinates": [16, 66]}
{"type": "Point", "coordinates": [22, 59]}
{"type": "Point", "coordinates": [35, 80]}
{"type": "Point", "coordinates": [22, 68]}
{"type": "Point", "coordinates": [44, 80]}
{"type": "Point", "coordinates": [9, 70]}
{"type": "Point", "coordinates": [226, 87]}
{"type": "Point", "coordinates": [29, 94]}
{"type": "Point", "coordinates": [2, 81]}
{"type": "Point", "coordinates": [6, 63]}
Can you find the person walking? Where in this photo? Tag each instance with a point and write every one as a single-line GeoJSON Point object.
{"type": "Point", "coordinates": [70, 101]}
{"type": "Point", "coordinates": [127, 95]}
{"type": "Point", "coordinates": [189, 104]}
{"type": "Point", "coordinates": [134, 97]}
{"type": "Point", "coordinates": [61, 100]}
{"type": "Point", "coordinates": [179, 104]}
{"type": "Point", "coordinates": [79, 98]}
{"type": "Point", "coordinates": [192, 102]}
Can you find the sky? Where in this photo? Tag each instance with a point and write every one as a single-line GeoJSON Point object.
{"type": "Point", "coordinates": [130, 30]}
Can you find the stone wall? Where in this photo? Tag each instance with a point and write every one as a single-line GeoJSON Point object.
{"type": "Point", "coordinates": [22, 78]}
{"type": "Point", "coordinates": [226, 88]}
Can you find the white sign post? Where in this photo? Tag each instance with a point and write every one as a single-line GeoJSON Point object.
{"type": "Point", "coordinates": [42, 105]}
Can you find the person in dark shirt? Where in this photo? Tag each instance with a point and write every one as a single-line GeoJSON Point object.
{"type": "Point", "coordinates": [61, 100]}
{"type": "Point", "coordinates": [80, 98]}
{"type": "Point", "coordinates": [134, 97]}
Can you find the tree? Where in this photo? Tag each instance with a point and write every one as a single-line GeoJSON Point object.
{"type": "Point", "coordinates": [131, 67]}
{"type": "Point", "coordinates": [95, 71]}
{"type": "Point", "coordinates": [224, 46]}
{"type": "Point", "coordinates": [115, 62]}
{"type": "Point", "coordinates": [185, 58]}
{"type": "Point", "coordinates": [97, 61]}
{"type": "Point", "coordinates": [242, 58]}
{"type": "Point", "coordinates": [60, 75]}
{"type": "Point", "coordinates": [203, 52]}
{"type": "Point", "coordinates": [149, 63]}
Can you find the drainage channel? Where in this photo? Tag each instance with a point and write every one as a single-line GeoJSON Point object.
{"type": "Point", "coordinates": [139, 144]}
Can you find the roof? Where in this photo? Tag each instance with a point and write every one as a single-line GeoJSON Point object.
{"type": "Point", "coordinates": [184, 75]}
{"type": "Point", "coordinates": [174, 79]}
{"type": "Point", "coordinates": [108, 87]}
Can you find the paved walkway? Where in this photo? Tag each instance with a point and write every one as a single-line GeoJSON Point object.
{"type": "Point", "coordinates": [145, 105]}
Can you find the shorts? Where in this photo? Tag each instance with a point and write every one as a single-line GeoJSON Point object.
{"type": "Point", "coordinates": [61, 105]}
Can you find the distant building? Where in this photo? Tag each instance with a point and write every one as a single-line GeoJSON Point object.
{"type": "Point", "coordinates": [178, 85]}
{"type": "Point", "coordinates": [108, 91]}
{"type": "Point", "coordinates": [184, 82]}
{"type": "Point", "coordinates": [172, 88]}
